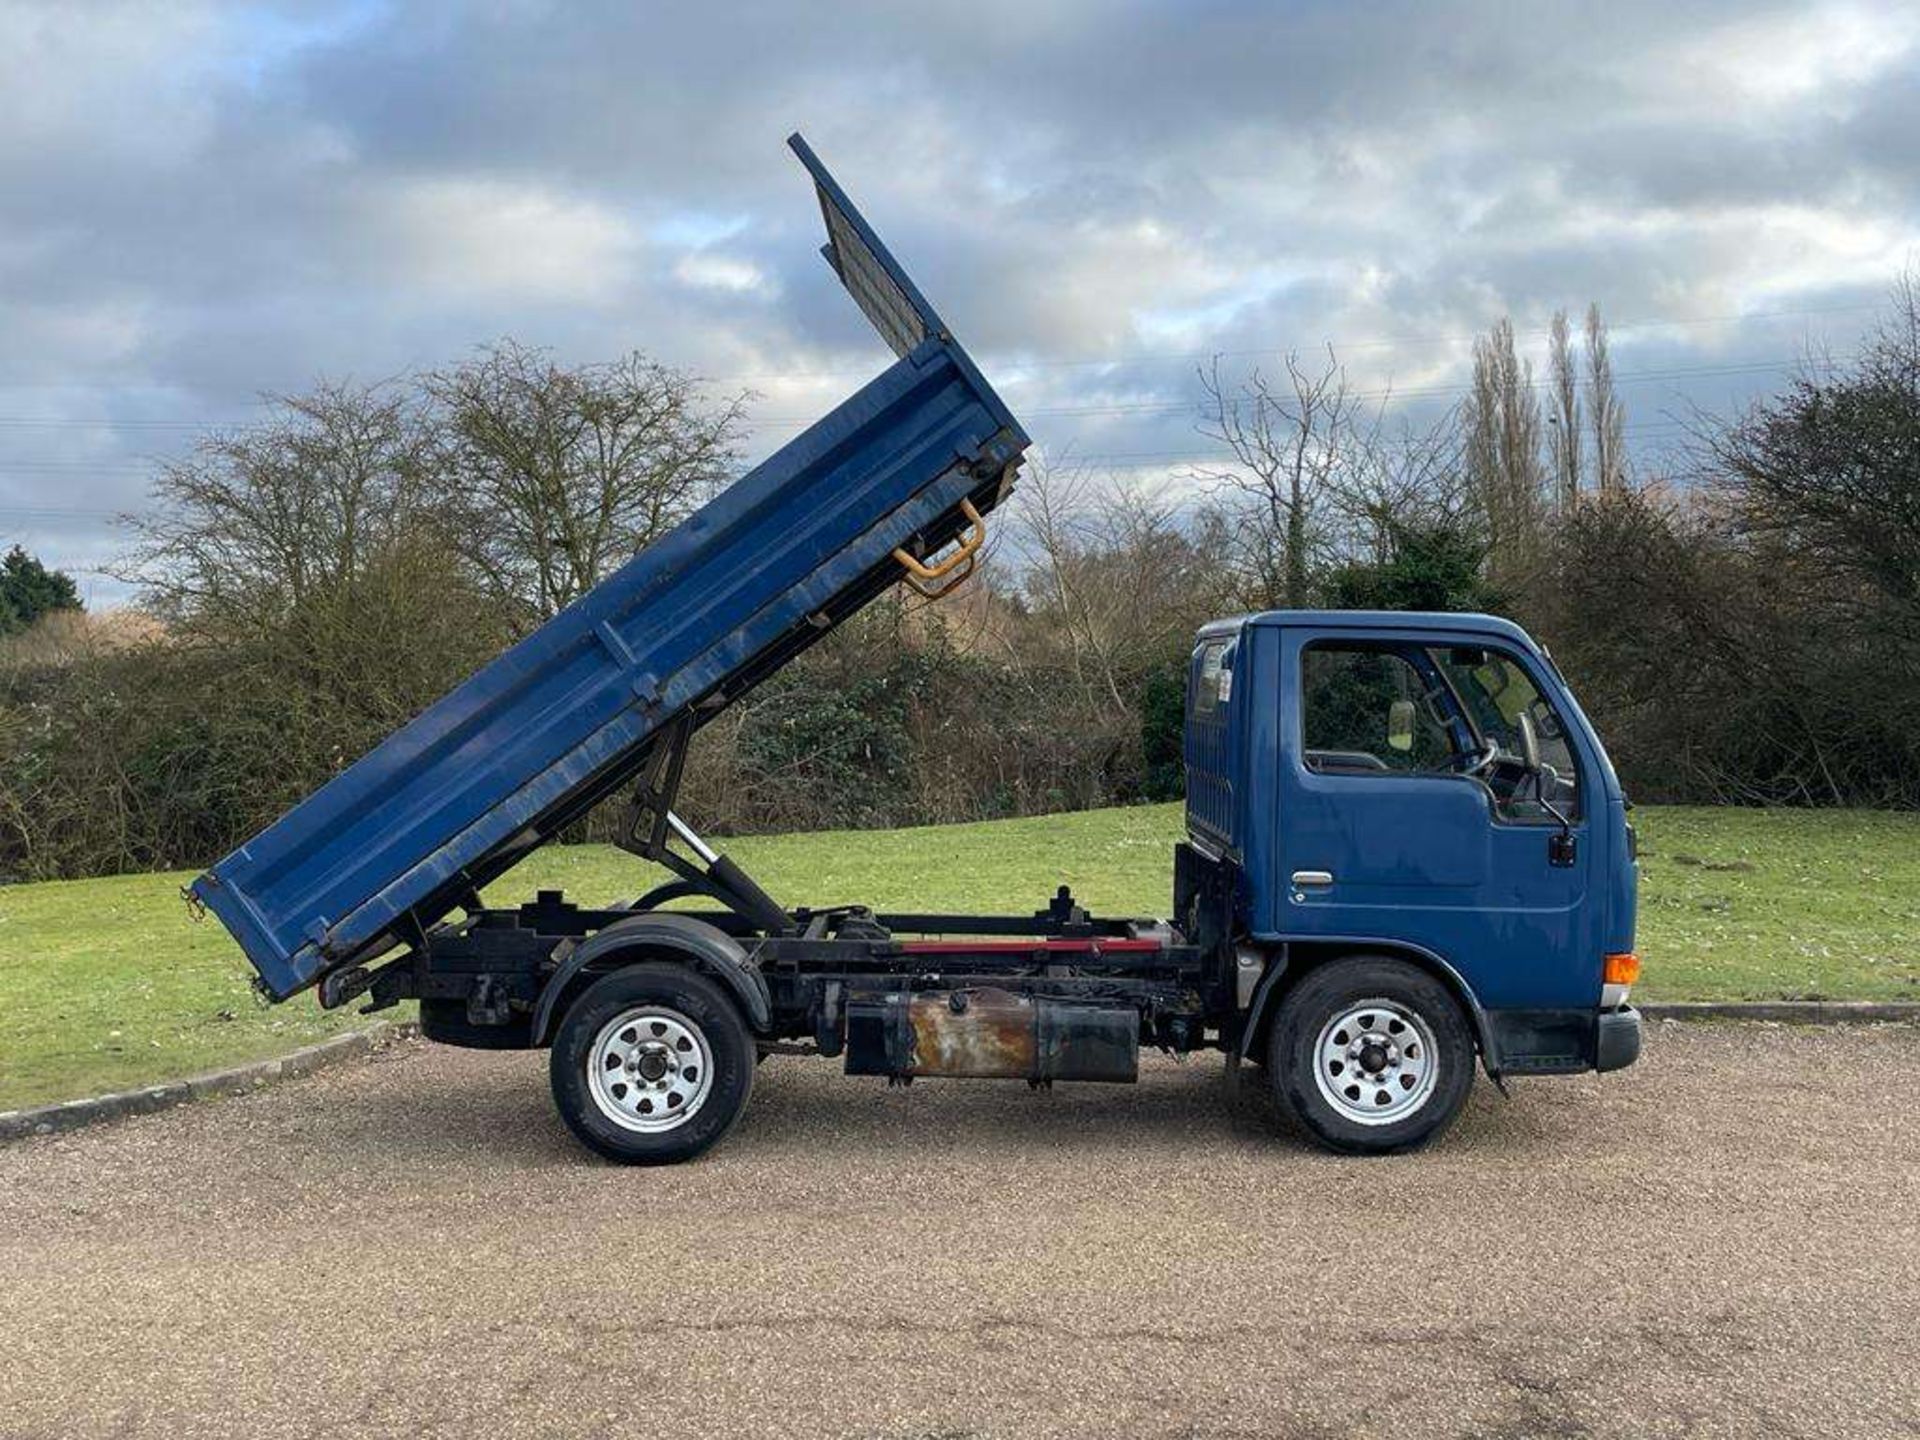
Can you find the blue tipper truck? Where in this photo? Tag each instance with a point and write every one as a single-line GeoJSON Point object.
{"type": "Point", "coordinates": [1405, 845]}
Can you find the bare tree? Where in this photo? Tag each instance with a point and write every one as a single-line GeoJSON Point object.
{"type": "Point", "coordinates": [1564, 440]}
{"type": "Point", "coordinates": [1290, 443]}
{"type": "Point", "coordinates": [1113, 576]}
{"type": "Point", "coordinates": [1828, 473]}
{"type": "Point", "coordinates": [1609, 419]}
{"type": "Point", "coordinates": [1501, 425]}
{"type": "Point", "coordinates": [304, 570]}
{"type": "Point", "coordinates": [259, 522]}
{"type": "Point", "coordinates": [556, 476]}
{"type": "Point", "coordinates": [1391, 482]}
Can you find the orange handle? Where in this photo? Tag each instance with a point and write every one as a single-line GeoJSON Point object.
{"type": "Point", "coordinates": [940, 592]}
{"type": "Point", "coordinates": [964, 551]}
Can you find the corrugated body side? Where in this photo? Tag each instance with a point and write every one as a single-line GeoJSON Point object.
{"type": "Point", "coordinates": [455, 796]}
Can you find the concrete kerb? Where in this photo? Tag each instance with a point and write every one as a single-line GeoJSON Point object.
{"type": "Point", "coordinates": [1788, 1012]}
{"type": "Point", "coordinates": [238, 1080]}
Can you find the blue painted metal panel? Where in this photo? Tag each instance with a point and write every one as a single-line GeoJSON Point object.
{"type": "Point", "coordinates": [1420, 859]}
{"type": "Point", "coordinates": [458, 795]}
{"type": "Point", "coordinates": [1212, 742]}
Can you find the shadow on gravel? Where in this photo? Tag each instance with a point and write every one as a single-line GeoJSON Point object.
{"type": "Point", "coordinates": [499, 1106]}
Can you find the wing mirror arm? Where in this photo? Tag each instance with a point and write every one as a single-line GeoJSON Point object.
{"type": "Point", "coordinates": [1561, 848]}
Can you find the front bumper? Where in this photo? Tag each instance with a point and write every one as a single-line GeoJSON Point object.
{"type": "Point", "coordinates": [1562, 1042]}
{"type": "Point", "coordinates": [1616, 1039]}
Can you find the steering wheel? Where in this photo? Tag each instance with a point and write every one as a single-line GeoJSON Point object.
{"type": "Point", "coordinates": [1477, 764]}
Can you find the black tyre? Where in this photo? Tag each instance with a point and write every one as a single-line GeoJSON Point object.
{"type": "Point", "coordinates": [652, 1065]}
{"type": "Point", "coordinates": [1371, 1055]}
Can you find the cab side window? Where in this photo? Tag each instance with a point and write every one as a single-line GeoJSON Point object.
{"type": "Point", "coordinates": [1365, 710]}
{"type": "Point", "coordinates": [1509, 714]}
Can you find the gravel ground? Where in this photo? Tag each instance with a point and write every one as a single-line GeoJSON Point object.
{"type": "Point", "coordinates": [1723, 1241]}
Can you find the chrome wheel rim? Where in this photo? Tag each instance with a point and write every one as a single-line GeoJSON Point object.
{"type": "Point", "coordinates": [649, 1069]}
{"type": "Point", "coordinates": [1374, 1062]}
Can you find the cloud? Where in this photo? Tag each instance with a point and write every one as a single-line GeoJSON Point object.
{"type": "Point", "coordinates": [478, 239]}
{"type": "Point", "coordinates": [705, 270]}
{"type": "Point", "coordinates": [199, 202]}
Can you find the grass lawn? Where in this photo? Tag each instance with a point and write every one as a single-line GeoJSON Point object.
{"type": "Point", "coordinates": [110, 985]}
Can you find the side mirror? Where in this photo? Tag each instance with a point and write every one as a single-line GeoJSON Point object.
{"type": "Point", "coordinates": [1400, 726]}
{"type": "Point", "coordinates": [1529, 743]}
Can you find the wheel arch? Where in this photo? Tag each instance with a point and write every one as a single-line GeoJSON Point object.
{"type": "Point", "coordinates": [1291, 961]}
{"type": "Point", "coordinates": [676, 939]}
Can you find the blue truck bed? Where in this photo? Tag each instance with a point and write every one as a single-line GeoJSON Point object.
{"type": "Point", "coordinates": [566, 717]}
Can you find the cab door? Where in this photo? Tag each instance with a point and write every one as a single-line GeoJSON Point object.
{"type": "Point", "coordinates": [1391, 829]}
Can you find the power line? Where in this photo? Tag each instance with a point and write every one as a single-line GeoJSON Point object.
{"type": "Point", "coordinates": [1616, 329]}
{"type": "Point", "coordinates": [1220, 455]}
{"type": "Point", "coordinates": [1112, 460]}
{"type": "Point", "coordinates": [51, 512]}
{"type": "Point", "coordinates": [76, 422]}
{"type": "Point", "coordinates": [1147, 407]}
{"type": "Point", "coordinates": [120, 466]}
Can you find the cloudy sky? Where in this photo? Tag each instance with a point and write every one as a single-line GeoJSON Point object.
{"type": "Point", "coordinates": [203, 202]}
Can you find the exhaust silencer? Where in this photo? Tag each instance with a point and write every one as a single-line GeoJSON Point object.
{"type": "Point", "coordinates": [991, 1033]}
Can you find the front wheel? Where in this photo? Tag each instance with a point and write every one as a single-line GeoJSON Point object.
{"type": "Point", "coordinates": [652, 1065]}
{"type": "Point", "coordinates": [1372, 1055]}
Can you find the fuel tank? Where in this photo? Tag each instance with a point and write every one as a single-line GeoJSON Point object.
{"type": "Point", "coordinates": [989, 1033]}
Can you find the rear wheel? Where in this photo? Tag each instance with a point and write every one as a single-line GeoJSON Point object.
{"type": "Point", "coordinates": [652, 1065]}
{"type": "Point", "coordinates": [1372, 1055]}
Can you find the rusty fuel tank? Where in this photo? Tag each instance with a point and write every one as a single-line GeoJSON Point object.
{"type": "Point", "coordinates": [990, 1033]}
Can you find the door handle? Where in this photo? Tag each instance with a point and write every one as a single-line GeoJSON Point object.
{"type": "Point", "coordinates": [1312, 877]}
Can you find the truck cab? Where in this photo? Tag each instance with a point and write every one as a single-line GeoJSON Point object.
{"type": "Point", "coordinates": [1421, 792]}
